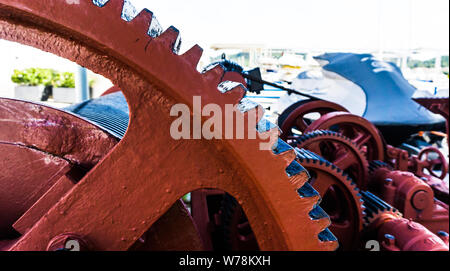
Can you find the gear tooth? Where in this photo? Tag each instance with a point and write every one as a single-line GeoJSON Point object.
{"type": "Point", "coordinates": [374, 207]}
{"type": "Point", "coordinates": [100, 3]}
{"type": "Point", "coordinates": [142, 21]}
{"type": "Point", "coordinates": [171, 39]}
{"type": "Point", "coordinates": [227, 86]}
{"type": "Point", "coordinates": [280, 147]}
{"type": "Point", "coordinates": [249, 107]}
{"type": "Point", "coordinates": [214, 73]}
{"type": "Point", "coordinates": [235, 93]}
{"type": "Point", "coordinates": [327, 236]}
{"type": "Point", "coordinates": [246, 105]}
{"type": "Point", "coordinates": [307, 191]}
{"type": "Point", "coordinates": [193, 55]}
{"type": "Point", "coordinates": [129, 12]}
{"type": "Point", "coordinates": [264, 125]}
{"type": "Point", "coordinates": [318, 213]}
{"type": "Point", "coordinates": [155, 29]}
{"type": "Point", "coordinates": [298, 174]}
{"type": "Point", "coordinates": [115, 7]}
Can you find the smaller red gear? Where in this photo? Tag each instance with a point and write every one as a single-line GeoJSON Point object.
{"type": "Point", "coordinates": [341, 199]}
{"type": "Point", "coordinates": [361, 131]}
{"type": "Point", "coordinates": [376, 207]}
{"type": "Point", "coordinates": [296, 115]}
{"type": "Point", "coordinates": [340, 151]}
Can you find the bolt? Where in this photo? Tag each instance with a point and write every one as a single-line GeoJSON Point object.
{"type": "Point", "coordinates": [389, 239]}
{"type": "Point", "coordinates": [443, 235]}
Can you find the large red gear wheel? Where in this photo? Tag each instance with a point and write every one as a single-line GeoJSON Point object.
{"type": "Point", "coordinates": [338, 150]}
{"type": "Point", "coordinates": [295, 116]}
{"type": "Point", "coordinates": [124, 195]}
{"type": "Point", "coordinates": [363, 133]}
{"type": "Point", "coordinates": [340, 198]}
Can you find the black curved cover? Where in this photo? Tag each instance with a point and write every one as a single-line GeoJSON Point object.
{"type": "Point", "coordinates": [389, 94]}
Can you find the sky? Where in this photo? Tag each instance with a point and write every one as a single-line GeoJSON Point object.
{"type": "Point", "coordinates": [308, 24]}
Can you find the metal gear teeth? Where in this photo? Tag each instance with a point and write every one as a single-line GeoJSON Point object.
{"type": "Point", "coordinates": [226, 65]}
{"type": "Point", "coordinates": [307, 191]}
{"type": "Point", "coordinates": [310, 157]}
{"type": "Point", "coordinates": [216, 70]}
{"type": "Point", "coordinates": [375, 165]}
{"type": "Point", "coordinates": [129, 13]}
{"type": "Point", "coordinates": [376, 207]}
{"type": "Point", "coordinates": [320, 133]}
{"type": "Point", "coordinates": [171, 37]}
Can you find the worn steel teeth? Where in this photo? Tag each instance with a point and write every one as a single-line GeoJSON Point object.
{"type": "Point", "coordinates": [375, 207]}
{"type": "Point", "coordinates": [129, 13]}
{"type": "Point", "coordinates": [310, 157]}
{"type": "Point", "coordinates": [319, 133]}
{"type": "Point", "coordinates": [307, 191]}
{"type": "Point", "coordinates": [312, 161]}
{"type": "Point", "coordinates": [171, 35]}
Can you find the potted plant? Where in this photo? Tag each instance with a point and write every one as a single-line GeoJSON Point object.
{"type": "Point", "coordinates": [29, 84]}
{"type": "Point", "coordinates": [64, 88]}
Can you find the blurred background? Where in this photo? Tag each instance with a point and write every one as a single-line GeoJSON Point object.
{"type": "Point", "coordinates": [281, 37]}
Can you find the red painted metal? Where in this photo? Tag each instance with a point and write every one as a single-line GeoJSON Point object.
{"type": "Point", "coordinates": [144, 174]}
{"type": "Point", "coordinates": [25, 176]}
{"type": "Point", "coordinates": [438, 106]}
{"type": "Point", "coordinates": [424, 162]}
{"type": "Point", "coordinates": [174, 231]}
{"type": "Point", "coordinates": [400, 234]}
{"type": "Point", "coordinates": [412, 196]}
{"type": "Point", "coordinates": [397, 158]}
{"type": "Point", "coordinates": [422, 167]}
{"type": "Point", "coordinates": [294, 116]}
{"type": "Point", "coordinates": [338, 150]}
{"type": "Point", "coordinates": [34, 180]}
{"type": "Point", "coordinates": [110, 90]}
{"type": "Point", "coordinates": [54, 132]}
{"type": "Point", "coordinates": [363, 133]}
{"type": "Point", "coordinates": [340, 199]}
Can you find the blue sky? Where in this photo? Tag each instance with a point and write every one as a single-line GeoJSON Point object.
{"type": "Point", "coordinates": [317, 24]}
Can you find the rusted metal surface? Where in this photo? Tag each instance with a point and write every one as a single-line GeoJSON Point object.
{"type": "Point", "coordinates": [296, 115]}
{"type": "Point", "coordinates": [363, 133]}
{"type": "Point", "coordinates": [130, 194]}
